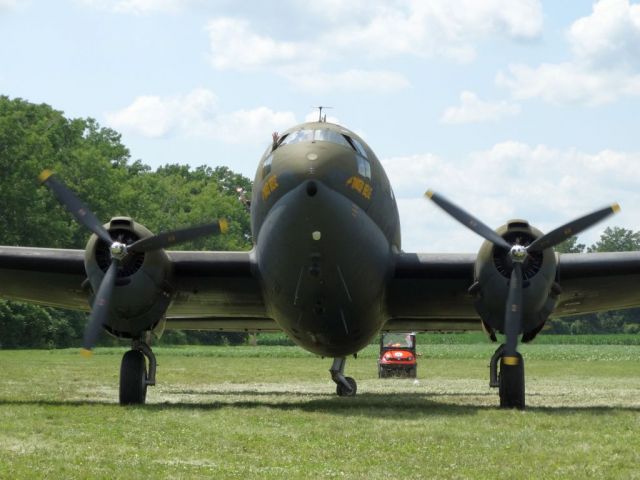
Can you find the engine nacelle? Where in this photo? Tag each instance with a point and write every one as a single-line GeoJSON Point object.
{"type": "Point", "coordinates": [142, 292]}
{"type": "Point", "coordinates": [492, 273]}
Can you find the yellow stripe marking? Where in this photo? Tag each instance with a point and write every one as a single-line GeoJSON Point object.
{"type": "Point", "coordinates": [86, 353]}
{"type": "Point", "coordinates": [429, 193]}
{"type": "Point", "coordinates": [224, 225]}
{"type": "Point", "coordinates": [615, 207]}
{"type": "Point", "coordinates": [44, 175]}
{"type": "Point", "coordinates": [511, 360]}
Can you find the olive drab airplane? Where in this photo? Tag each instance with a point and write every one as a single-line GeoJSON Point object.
{"type": "Point", "coordinates": [326, 268]}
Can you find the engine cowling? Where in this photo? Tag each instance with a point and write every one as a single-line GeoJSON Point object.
{"type": "Point", "coordinates": [492, 275]}
{"type": "Point", "coordinates": [142, 292]}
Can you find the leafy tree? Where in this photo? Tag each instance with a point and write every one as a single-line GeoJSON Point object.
{"type": "Point", "coordinates": [570, 245]}
{"type": "Point", "coordinates": [94, 163]}
{"type": "Point", "coordinates": [613, 239]}
{"type": "Point", "coordinates": [617, 239]}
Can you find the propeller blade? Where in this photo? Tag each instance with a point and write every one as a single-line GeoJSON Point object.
{"type": "Point", "coordinates": [572, 228]}
{"type": "Point", "coordinates": [468, 220]}
{"type": "Point", "coordinates": [74, 205]}
{"type": "Point", "coordinates": [166, 239]}
{"type": "Point", "coordinates": [513, 311]}
{"type": "Point", "coordinates": [100, 308]}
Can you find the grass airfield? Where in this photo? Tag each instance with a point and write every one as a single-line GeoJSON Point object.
{"type": "Point", "coordinates": [271, 412]}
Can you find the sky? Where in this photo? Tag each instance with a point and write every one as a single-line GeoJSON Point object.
{"type": "Point", "coordinates": [510, 108]}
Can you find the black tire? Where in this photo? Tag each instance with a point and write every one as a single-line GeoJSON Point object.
{"type": "Point", "coordinates": [133, 378]}
{"type": "Point", "coordinates": [512, 384]}
{"type": "Point", "coordinates": [342, 391]}
{"type": "Point", "coordinates": [413, 372]}
{"type": "Point", "coordinates": [382, 372]}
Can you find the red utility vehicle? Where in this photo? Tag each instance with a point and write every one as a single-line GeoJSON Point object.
{"type": "Point", "coordinates": [397, 355]}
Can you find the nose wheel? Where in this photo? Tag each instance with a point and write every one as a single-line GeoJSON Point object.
{"type": "Point", "coordinates": [509, 380]}
{"type": "Point", "coordinates": [134, 377]}
{"type": "Point", "coordinates": [345, 386]}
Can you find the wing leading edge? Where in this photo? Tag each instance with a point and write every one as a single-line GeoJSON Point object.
{"type": "Point", "coordinates": [430, 291]}
{"type": "Point", "coordinates": [212, 290]}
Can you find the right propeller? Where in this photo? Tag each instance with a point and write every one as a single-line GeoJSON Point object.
{"type": "Point", "coordinates": [118, 250]}
{"type": "Point", "coordinates": [518, 255]}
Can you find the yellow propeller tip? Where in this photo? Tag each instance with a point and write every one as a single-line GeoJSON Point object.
{"type": "Point", "coordinates": [224, 225]}
{"type": "Point", "coordinates": [86, 353]}
{"type": "Point", "coordinates": [44, 175]}
{"type": "Point", "coordinates": [429, 193]}
{"type": "Point", "coordinates": [615, 207]}
{"type": "Point", "coordinates": [511, 360]}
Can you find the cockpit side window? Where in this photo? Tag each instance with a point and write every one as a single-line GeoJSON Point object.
{"type": "Point", "coordinates": [266, 165]}
{"type": "Point", "coordinates": [364, 167]}
{"type": "Point", "coordinates": [359, 148]}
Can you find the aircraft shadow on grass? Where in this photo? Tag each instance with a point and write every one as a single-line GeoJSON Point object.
{"type": "Point", "coordinates": [405, 406]}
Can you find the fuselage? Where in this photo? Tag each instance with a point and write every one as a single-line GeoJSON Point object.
{"type": "Point", "coordinates": [326, 227]}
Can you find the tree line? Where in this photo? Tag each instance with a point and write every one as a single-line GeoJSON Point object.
{"type": "Point", "coordinates": [613, 239]}
{"type": "Point", "coordinates": [93, 161]}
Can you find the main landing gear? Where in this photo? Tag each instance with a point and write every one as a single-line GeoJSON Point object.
{"type": "Point", "coordinates": [510, 379]}
{"type": "Point", "coordinates": [134, 376]}
{"type": "Point", "coordinates": [345, 386]}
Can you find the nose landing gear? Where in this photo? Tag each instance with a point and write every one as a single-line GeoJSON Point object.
{"type": "Point", "coordinates": [510, 379]}
{"type": "Point", "coordinates": [345, 386]}
{"type": "Point", "coordinates": [134, 376]}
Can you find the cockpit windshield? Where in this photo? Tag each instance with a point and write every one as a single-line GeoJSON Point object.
{"type": "Point", "coordinates": [318, 135]}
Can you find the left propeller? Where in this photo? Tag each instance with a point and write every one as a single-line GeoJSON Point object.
{"type": "Point", "coordinates": [518, 255]}
{"type": "Point", "coordinates": [118, 250]}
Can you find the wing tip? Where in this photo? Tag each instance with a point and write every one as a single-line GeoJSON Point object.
{"type": "Point", "coordinates": [429, 193]}
{"type": "Point", "coordinates": [615, 208]}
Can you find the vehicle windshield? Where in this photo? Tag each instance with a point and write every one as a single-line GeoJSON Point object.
{"type": "Point", "coordinates": [398, 340]}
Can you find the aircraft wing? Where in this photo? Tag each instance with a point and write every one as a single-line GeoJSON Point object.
{"type": "Point", "coordinates": [430, 291]}
{"type": "Point", "coordinates": [212, 290]}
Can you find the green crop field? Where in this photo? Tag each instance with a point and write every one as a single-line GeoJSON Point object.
{"type": "Point", "coordinates": [271, 412]}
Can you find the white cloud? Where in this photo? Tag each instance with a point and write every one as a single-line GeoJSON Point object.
{"type": "Point", "coordinates": [543, 185]}
{"type": "Point", "coordinates": [254, 125]}
{"type": "Point", "coordinates": [235, 46]}
{"type": "Point", "coordinates": [196, 114]}
{"type": "Point", "coordinates": [610, 36]}
{"type": "Point", "coordinates": [138, 6]}
{"type": "Point", "coordinates": [605, 64]}
{"type": "Point", "coordinates": [437, 28]}
{"type": "Point", "coordinates": [368, 31]}
{"type": "Point", "coordinates": [474, 110]}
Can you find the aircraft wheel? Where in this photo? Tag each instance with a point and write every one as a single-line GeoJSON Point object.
{"type": "Point", "coordinates": [133, 378]}
{"type": "Point", "coordinates": [342, 391]}
{"type": "Point", "coordinates": [512, 384]}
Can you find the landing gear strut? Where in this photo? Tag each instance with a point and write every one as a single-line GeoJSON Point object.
{"type": "Point", "coordinates": [345, 386]}
{"type": "Point", "coordinates": [510, 380]}
{"type": "Point", "coordinates": [134, 377]}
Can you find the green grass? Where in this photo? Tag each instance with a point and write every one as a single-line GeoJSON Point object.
{"type": "Point", "coordinates": [271, 412]}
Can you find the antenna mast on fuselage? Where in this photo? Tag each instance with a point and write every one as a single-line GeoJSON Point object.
{"type": "Point", "coordinates": [320, 117]}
